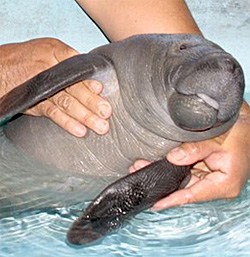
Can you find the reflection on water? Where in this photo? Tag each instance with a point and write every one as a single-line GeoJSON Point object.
{"type": "Point", "coordinates": [219, 228]}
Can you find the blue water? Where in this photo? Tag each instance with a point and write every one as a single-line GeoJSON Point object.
{"type": "Point", "coordinates": [218, 228]}
{"type": "Point", "coordinates": [212, 229]}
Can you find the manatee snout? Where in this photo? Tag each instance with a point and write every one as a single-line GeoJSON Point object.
{"type": "Point", "coordinates": [208, 93]}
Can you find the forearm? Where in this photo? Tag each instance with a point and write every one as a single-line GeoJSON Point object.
{"type": "Point", "coordinates": [123, 18]}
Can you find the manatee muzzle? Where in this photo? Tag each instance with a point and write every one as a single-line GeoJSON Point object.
{"type": "Point", "coordinates": [191, 112]}
{"type": "Point", "coordinates": [208, 93]}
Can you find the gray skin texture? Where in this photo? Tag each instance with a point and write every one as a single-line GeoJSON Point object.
{"type": "Point", "coordinates": [164, 90]}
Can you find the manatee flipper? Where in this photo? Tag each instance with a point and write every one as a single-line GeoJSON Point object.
{"type": "Point", "coordinates": [127, 197]}
{"type": "Point", "coordinates": [49, 82]}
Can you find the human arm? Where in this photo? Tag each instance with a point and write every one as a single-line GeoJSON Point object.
{"type": "Point", "coordinates": [124, 18]}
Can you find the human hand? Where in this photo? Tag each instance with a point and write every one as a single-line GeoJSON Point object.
{"type": "Point", "coordinates": [222, 165]}
{"type": "Point", "coordinates": [75, 108]}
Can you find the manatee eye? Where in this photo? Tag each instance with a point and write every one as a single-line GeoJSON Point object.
{"type": "Point", "coordinates": [183, 47]}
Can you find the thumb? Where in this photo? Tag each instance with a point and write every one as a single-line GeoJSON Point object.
{"type": "Point", "coordinates": [189, 153]}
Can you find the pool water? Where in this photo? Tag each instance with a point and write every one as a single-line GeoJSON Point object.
{"type": "Point", "coordinates": [219, 228]}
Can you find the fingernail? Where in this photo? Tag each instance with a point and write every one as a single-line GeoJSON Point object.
{"type": "Point", "coordinates": [141, 164]}
{"type": "Point", "coordinates": [178, 154]}
{"type": "Point", "coordinates": [102, 126]}
{"type": "Point", "coordinates": [131, 169]}
{"type": "Point", "coordinates": [95, 86]}
{"type": "Point", "coordinates": [79, 131]}
{"type": "Point", "coordinates": [104, 110]}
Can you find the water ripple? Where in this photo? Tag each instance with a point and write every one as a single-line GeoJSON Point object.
{"type": "Point", "coordinates": [220, 228]}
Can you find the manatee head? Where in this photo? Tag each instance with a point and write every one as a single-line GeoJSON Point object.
{"type": "Point", "coordinates": [205, 84]}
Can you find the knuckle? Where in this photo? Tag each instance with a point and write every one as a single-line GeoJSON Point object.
{"type": "Point", "coordinates": [41, 107]}
{"type": "Point", "coordinates": [52, 41]}
{"type": "Point", "coordinates": [74, 89]}
{"type": "Point", "coordinates": [70, 51]}
{"type": "Point", "coordinates": [66, 124]}
{"type": "Point", "coordinates": [89, 101]}
{"type": "Point", "coordinates": [87, 118]}
{"type": "Point", "coordinates": [195, 148]}
{"type": "Point", "coordinates": [94, 85]}
{"type": "Point", "coordinates": [64, 101]}
{"type": "Point", "coordinates": [46, 43]}
{"type": "Point", "coordinates": [50, 111]}
{"type": "Point", "coordinates": [231, 190]}
{"type": "Point", "coordinates": [56, 41]}
{"type": "Point", "coordinates": [192, 148]}
{"type": "Point", "coordinates": [188, 197]}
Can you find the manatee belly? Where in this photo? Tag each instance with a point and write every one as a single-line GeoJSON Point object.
{"type": "Point", "coordinates": [47, 167]}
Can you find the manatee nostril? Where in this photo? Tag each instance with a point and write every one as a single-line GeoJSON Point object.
{"type": "Point", "coordinates": [183, 47]}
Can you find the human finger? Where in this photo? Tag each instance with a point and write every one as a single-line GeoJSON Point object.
{"type": "Point", "coordinates": [139, 164]}
{"type": "Point", "coordinates": [203, 190]}
{"type": "Point", "coordinates": [63, 105]}
{"type": "Point", "coordinates": [86, 94]}
{"type": "Point", "coordinates": [72, 107]}
{"type": "Point", "coordinates": [51, 111]}
{"type": "Point", "coordinates": [189, 153]}
{"type": "Point", "coordinates": [93, 85]}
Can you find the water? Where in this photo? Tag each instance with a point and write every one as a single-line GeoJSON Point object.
{"type": "Point", "coordinates": [218, 228]}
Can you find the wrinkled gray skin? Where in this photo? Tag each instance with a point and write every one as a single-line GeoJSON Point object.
{"type": "Point", "coordinates": [164, 89]}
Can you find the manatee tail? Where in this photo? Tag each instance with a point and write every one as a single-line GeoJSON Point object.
{"type": "Point", "coordinates": [49, 82]}
{"type": "Point", "coordinates": [125, 198]}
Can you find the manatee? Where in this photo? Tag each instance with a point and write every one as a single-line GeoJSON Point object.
{"type": "Point", "coordinates": [164, 90]}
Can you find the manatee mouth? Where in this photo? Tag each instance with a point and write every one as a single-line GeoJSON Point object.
{"type": "Point", "coordinates": [194, 112]}
{"type": "Point", "coordinates": [209, 100]}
